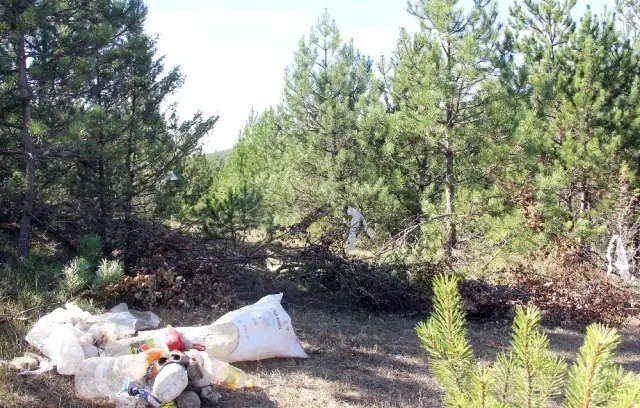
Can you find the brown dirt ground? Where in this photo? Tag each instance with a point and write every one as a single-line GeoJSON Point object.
{"type": "Point", "coordinates": [356, 360]}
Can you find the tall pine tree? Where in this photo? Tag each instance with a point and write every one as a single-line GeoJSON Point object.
{"type": "Point", "coordinates": [324, 90]}
{"type": "Point", "coordinates": [442, 102]}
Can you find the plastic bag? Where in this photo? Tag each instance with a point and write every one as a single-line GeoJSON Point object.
{"type": "Point", "coordinates": [145, 320]}
{"type": "Point", "coordinates": [68, 336]}
{"type": "Point", "coordinates": [621, 263]}
{"type": "Point", "coordinates": [57, 338]}
{"type": "Point", "coordinates": [64, 348]}
{"type": "Point", "coordinates": [125, 322]}
{"type": "Point", "coordinates": [40, 332]}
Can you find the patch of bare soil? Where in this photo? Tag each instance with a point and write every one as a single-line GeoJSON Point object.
{"type": "Point", "coordinates": [356, 360]}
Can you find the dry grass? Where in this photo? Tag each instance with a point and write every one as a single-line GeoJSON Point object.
{"type": "Point", "coordinates": [356, 360]}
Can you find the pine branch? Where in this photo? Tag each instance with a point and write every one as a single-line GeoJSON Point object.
{"type": "Point", "coordinates": [627, 392]}
{"type": "Point", "coordinates": [540, 372]}
{"type": "Point", "coordinates": [504, 375]}
{"type": "Point", "coordinates": [443, 336]}
{"type": "Point", "coordinates": [593, 377]}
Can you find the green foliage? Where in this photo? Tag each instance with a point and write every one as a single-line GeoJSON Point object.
{"type": "Point", "coordinates": [437, 145]}
{"type": "Point", "coordinates": [185, 197]}
{"type": "Point", "coordinates": [101, 135]}
{"type": "Point", "coordinates": [79, 274]}
{"type": "Point", "coordinates": [233, 214]}
{"type": "Point", "coordinates": [534, 375]}
{"type": "Point", "coordinates": [326, 90]}
{"type": "Point", "coordinates": [76, 276]}
{"type": "Point", "coordinates": [443, 336]}
{"type": "Point", "coordinates": [526, 375]}
{"type": "Point", "coordinates": [109, 272]}
{"type": "Point", "coordinates": [90, 248]}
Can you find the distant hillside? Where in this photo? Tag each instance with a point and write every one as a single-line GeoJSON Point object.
{"type": "Point", "coordinates": [221, 154]}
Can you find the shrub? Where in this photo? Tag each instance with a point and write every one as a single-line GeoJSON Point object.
{"type": "Point", "coordinates": [234, 214]}
{"type": "Point", "coordinates": [76, 275]}
{"type": "Point", "coordinates": [109, 272]}
{"type": "Point", "coordinates": [89, 247]}
{"type": "Point", "coordinates": [79, 274]}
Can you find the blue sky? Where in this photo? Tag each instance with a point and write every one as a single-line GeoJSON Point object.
{"type": "Point", "coordinates": [234, 52]}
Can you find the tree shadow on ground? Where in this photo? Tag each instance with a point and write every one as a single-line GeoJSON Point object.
{"type": "Point", "coordinates": [254, 398]}
{"type": "Point", "coordinates": [46, 390]}
{"type": "Point", "coordinates": [355, 359]}
{"type": "Point", "coordinates": [567, 341]}
{"type": "Point", "coordinates": [359, 359]}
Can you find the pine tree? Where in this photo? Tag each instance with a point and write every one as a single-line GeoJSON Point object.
{"type": "Point", "coordinates": [441, 101]}
{"type": "Point", "coordinates": [185, 197]}
{"type": "Point", "coordinates": [324, 90]}
{"type": "Point", "coordinates": [577, 120]}
{"type": "Point", "coordinates": [265, 158]}
{"type": "Point", "coordinates": [526, 375]}
{"type": "Point", "coordinates": [56, 37]}
{"type": "Point", "coordinates": [234, 214]}
{"type": "Point", "coordinates": [126, 142]}
{"type": "Point", "coordinates": [443, 336]}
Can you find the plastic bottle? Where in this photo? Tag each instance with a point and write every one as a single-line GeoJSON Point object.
{"type": "Point", "coordinates": [170, 382]}
{"type": "Point", "coordinates": [137, 389]}
{"type": "Point", "coordinates": [135, 345]}
{"type": "Point", "coordinates": [224, 373]}
{"type": "Point", "coordinates": [220, 339]}
{"type": "Point", "coordinates": [105, 376]}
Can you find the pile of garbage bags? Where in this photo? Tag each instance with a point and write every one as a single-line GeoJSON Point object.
{"type": "Point", "coordinates": [121, 355]}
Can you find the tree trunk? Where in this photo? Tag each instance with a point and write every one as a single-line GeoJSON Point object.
{"type": "Point", "coordinates": [129, 168]}
{"type": "Point", "coordinates": [449, 203]}
{"type": "Point", "coordinates": [584, 205]}
{"type": "Point", "coordinates": [449, 180]}
{"type": "Point", "coordinates": [423, 167]}
{"type": "Point", "coordinates": [24, 242]}
{"type": "Point", "coordinates": [102, 182]}
{"type": "Point", "coordinates": [102, 216]}
{"type": "Point", "coordinates": [584, 198]}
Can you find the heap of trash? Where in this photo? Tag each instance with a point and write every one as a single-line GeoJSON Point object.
{"type": "Point", "coordinates": [122, 355]}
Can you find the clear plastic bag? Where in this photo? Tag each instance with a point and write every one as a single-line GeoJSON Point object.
{"type": "Point", "coordinates": [69, 335]}
{"type": "Point", "coordinates": [144, 320]}
{"type": "Point", "coordinates": [621, 264]}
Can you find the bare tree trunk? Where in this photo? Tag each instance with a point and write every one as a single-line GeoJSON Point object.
{"type": "Point", "coordinates": [24, 242]}
{"type": "Point", "coordinates": [423, 167]}
{"type": "Point", "coordinates": [102, 217]}
{"type": "Point", "coordinates": [584, 200]}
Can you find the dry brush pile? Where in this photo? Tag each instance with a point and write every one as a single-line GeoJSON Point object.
{"type": "Point", "coordinates": [176, 268]}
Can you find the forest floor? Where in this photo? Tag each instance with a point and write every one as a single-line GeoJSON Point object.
{"type": "Point", "coordinates": [356, 359]}
{"type": "Point", "coordinates": [356, 320]}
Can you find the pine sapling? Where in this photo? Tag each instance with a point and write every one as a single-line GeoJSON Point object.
{"type": "Point", "coordinates": [443, 336]}
{"type": "Point", "coordinates": [526, 375]}
{"type": "Point", "coordinates": [537, 373]}
{"type": "Point", "coordinates": [594, 379]}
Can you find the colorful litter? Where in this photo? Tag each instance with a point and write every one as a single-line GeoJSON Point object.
{"type": "Point", "coordinates": [122, 356]}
